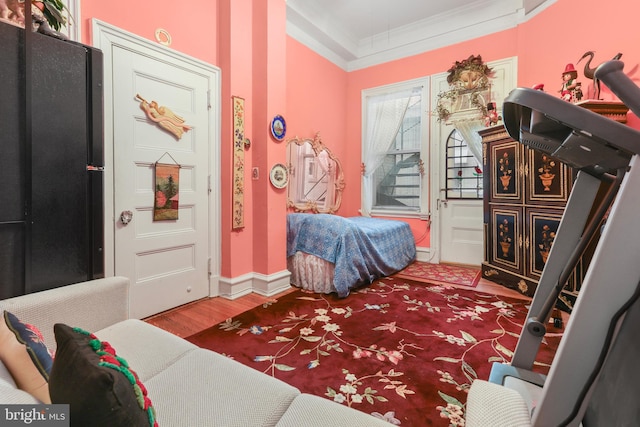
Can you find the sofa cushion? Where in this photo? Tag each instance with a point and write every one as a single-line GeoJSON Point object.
{"type": "Point", "coordinates": [308, 411]}
{"type": "Point", "coordinates": [204, 388]}
{"type": "Point", "coordinates": [148, 348]}
{"type": "Point", "coordinates": [14, 396]}
{"type": "Point", "coordinates": [99, 386]}
{"type": "Point", "coordinates": [25, 356]}
{"type": "Point", "coordinates": [10, 393]}
{"type": "Point", "coordinates": [490, 404]}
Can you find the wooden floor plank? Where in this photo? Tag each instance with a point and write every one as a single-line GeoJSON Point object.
{"type": "Point", "coordinates": [194, 317]}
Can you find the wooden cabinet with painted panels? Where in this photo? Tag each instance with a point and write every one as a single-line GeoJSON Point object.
{"type": "Point", "coordinates": [525, 193]}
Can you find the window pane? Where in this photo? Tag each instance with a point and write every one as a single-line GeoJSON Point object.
{"type": "Point", "coordinates": [408, 137]}
{"type": "Point", "coordinates": [395, 149]}
{"type": "Point", "coordinates": [398, 180]}
{"type": "Point", "coordinates": [464, 172]}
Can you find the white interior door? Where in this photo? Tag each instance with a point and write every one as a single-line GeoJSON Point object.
{"type": "Point", "coordinates": [457, 235]}
{"type": "Point", "coordinates": [168, 262]}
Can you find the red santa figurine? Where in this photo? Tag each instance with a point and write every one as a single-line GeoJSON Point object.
{"type": "Point", "coordinates": [569, 83]}
{"type": "Point", "coordinates": [492, 115]}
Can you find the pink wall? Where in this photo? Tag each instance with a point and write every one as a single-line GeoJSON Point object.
{"type": "Point", "coordinates": [277, 75]}
{"type": "Point", "coordinates": [316, 101]}
{"type": "Point", "coordinates": [192, 26]}
{"type": "Point", "coordinates": [269, 95]}
{"type": "Point", "coordinates": [236, 81]}
{"type": "Point", "coordinates": [563, 32]}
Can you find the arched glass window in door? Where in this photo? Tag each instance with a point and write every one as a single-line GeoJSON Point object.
{"type": "Point", "coordinates": [464, 172]}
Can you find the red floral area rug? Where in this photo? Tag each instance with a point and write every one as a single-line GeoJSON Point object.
{"type": "Point", "coordinates": [403, 351]}
{"type": "Point", "coordinates": [441, 273]}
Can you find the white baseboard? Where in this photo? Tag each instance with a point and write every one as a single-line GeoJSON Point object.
{"type": "Point", "coordinates": [272, 284]}
{"type": "Point", "coordinates": [267, 285]}
{"type": "Point", "coordinates": [423, 254]}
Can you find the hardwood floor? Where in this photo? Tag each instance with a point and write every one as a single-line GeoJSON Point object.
{"type": "Point", "coordinates": [202, 314]}
{"type": "Point", "coordinates": [199, 315]}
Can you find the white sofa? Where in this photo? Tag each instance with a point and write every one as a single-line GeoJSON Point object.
{"type": "Point", "coordinates": [187, 385]}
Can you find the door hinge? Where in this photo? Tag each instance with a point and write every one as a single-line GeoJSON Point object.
{"type": "Point", "coordinates": [209, 266]}
{"type": "Point", "coordinates": [209, 184]}
{"type": "Point", "coordinates": [209, 99]}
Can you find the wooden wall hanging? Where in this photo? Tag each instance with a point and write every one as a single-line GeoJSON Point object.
{"type": "Point", "coordinates": [167, 191]}
{"type": "Point", "coordinates": [164, 117]}
{"type": "Point", "coordinates": [238, 163]}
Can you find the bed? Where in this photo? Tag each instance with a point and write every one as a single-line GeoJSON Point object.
{"type": "Point", "coordinates": [329, 253]}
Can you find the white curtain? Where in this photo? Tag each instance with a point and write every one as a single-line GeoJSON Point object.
{"type": "Point", "coordinates": [384, 117]}
{"type": "Point", "coordinates": [469, 128]}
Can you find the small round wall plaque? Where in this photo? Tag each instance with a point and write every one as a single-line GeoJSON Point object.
{"type": "Point", "coordinates": [279, 175]}
{"type": "Point", "coordinates": [278, 128]}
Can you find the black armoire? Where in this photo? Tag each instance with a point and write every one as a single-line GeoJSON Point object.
{"type": "Point", "coordinates": [51, 162]}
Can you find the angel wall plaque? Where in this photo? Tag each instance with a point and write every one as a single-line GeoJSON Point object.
{"type": "Point", "coordinates": [164, 117]}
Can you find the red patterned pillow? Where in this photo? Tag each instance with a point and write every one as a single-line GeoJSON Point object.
{"type": "Point", "coordinates": [99, 386]}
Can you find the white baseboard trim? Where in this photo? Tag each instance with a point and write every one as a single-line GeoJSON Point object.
{"type": "Point", "coordinates": [272, 284]}
{"type": "Point", "coordinates": [235, 287]}
{"type": "Point", "coordinates": [266, 285]}
{"type": "Point", "coordinates": [423, 254]}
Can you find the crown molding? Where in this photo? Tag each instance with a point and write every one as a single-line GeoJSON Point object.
{"type": "Point", "coordinates": [474, 20]}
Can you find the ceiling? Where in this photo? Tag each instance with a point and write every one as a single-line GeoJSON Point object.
{"type": "Point", "coordinates": [356, 34]}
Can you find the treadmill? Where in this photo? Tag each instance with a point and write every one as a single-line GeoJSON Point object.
{"type": "Point", "coordinates": [588, 379]}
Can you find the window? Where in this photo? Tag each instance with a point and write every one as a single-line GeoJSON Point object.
{"type": "Point", "coordinates": [464, 172]}
{"type": "Point", "coordinates": [395, 147]}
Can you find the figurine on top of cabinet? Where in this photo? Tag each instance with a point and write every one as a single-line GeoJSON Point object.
{"type": "Point", "coordinates": [492, 116]}
{"type": "Point", "coordinates": [570, 85]}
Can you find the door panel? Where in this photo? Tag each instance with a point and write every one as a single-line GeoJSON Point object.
{"type": "Point", "coordinates": [461, 232]}
{"type": "Point", "coordinates": [165, 260]}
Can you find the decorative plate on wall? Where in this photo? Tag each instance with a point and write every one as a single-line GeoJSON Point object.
{"type": "Point", "coordinates": [279, 175]}
{"type": "Point", "coordinates": [278, 127]}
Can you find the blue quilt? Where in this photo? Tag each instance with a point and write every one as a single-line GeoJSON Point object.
{"type": "Point", "coordinates": [362, 249]}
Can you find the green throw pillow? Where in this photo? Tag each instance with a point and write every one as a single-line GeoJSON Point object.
{"type": "Point", "coordinates": [99, 386]}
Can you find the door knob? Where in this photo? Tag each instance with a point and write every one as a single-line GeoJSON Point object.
{"type": "Point", "coordinates": [126, 217]}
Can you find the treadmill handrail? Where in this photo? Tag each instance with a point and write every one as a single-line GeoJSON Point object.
{"type": "Point", "coordinates": [611, 74]}
{"type": "Point", "coordinates": [579, 119]}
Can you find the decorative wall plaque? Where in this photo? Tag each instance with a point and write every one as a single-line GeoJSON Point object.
{"type": "Point", "coordinates": [164, 117]}
{"type": "Point", "coordinates": [238, 163]}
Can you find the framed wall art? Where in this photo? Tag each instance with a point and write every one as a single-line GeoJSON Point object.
{"type": "Point", "coordinates": [167, 192]}
{"type": "Point", "coordinates": [238, 163]}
